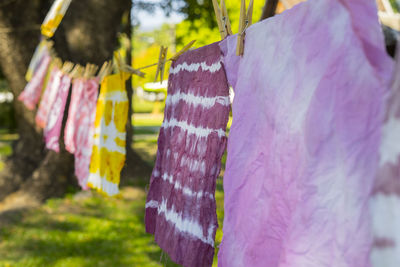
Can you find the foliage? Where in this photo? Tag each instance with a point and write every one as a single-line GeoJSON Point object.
{"type": "Point", "coordinates": [146, 49]}
{"type": "Point", "coordinates": [395, 5]}
{"type": "Point", "coordinates": [202, 25]}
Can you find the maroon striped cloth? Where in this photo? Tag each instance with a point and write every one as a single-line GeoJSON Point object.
{"type": "Point", "coordinates": [180, 208]}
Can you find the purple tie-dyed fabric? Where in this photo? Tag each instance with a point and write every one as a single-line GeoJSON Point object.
{"type": "Point", "coordinates": [385, 201]}
{"type": "Point", "coordinates": [303, 146]}
{"type": "Point", "coordinates": [181, 208]}
{"type": "Point", "coordinates": [54, 121]}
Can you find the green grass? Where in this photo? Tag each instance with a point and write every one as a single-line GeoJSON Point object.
{"type": "Point", "coordinates": [92, 230]}
{"type": "Point", "coordinates": [144, 106]}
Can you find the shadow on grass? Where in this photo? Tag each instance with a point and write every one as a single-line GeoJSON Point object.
{"type": "Point", "coordinates": [91, 232]}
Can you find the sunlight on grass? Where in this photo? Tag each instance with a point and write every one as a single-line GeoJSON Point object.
{"type": "Point", "coordinates": [96, 231]}
{"type": "Point", "coordinates": [93, 230]}
{"type": "Point", "coordinates": [144, 106]}
{"type": "Point", "coordinates": [147, 120]}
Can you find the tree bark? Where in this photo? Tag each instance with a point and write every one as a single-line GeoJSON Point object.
{"type": "Point", "coordinates": [269, 9]}
{"type": "Point", "coordinates": [87, 34]}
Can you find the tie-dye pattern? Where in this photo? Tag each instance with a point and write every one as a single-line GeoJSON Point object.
{"type": "Point", "coordinates": [54, 17]}
{"type": "Point", "coordinates": [40, 51]}
{"type": "Point", "coordinates": [304, 141]}
{"type": "Point", "coordinates": [79, 129]}
{"type": "Point", "coordinates": [385, 201]}
{"type": "Point", "coordinates": [71, 126]}
{"type": "Point", "coordinates": [181, 208]}
{"type": "Point", "coordinates": [48, 97]}
{"type": "Point", "coordinates": [54, 121]}
{"type": "Point", "coordinates": [32, 91]}
{"type": "Point", "coordinates": [108, 152]}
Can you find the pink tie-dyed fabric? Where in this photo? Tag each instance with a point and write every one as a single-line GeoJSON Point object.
{"type": "Point", "coordinates": [181, 208]}
{"type": "Point", "coordinates": [79, 129]}
{"type": "Point", "coordinates": [48, 97]}
{"type": "Point", "coordinates": [54, 121]}
{"type": "Point", "coordinates": [71, 124]}
{"type": "Point", "coordinates": [303, 146]}
{"type": "Point", "coordinates": [385, 201]}
{"type": "Point", "coordinates": [31, 94]}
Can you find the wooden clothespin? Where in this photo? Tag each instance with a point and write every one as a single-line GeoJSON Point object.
{"type": "Point", "coordinates": [245, 21]}
{"type": "Point", "coordinates": [90, 71]}
{"type": "Point", "coordinates": [77, 71]}
{"type": "Point", "coordinates": [67, 67]}
{"type": "Point", "coordinates": [183, 50]}
{"type": "Point", "coordinates": [221, 14]}
{"type": "Point", "coordinates": [104, 70]}
{"type": "Point", "coordinates": [49, 43]}
{"type": "Point", "coordinates": [52, 52]}
{"type": "Point", "coordinates": [124, 67]}
{"type": "Point", "coordinates": [129, 69]}
{"type": "Point", "coordinates": [57, 62]}
{"type": "Point", "coordinates": [162, 59]}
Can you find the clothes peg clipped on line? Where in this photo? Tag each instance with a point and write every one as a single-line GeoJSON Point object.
{"type": "Point", "coordinates": [90, 70]}
{"type": "Point", "coordinates": [174, 57]}
{"type": "Point", "coordinates": [105, 70]}
{"type": "Point", "coordinates": [162, 59]}
{"type": "Point", "coordinates": [183, 50]}
{"type": "Point", "coordinates": [129, 69]}
{"type": "Point", "coordinates": [67, 67]}
{"type": "Point", "coordinates": [221, 14]}
{"type": "Point", "coordinates": [245, 21]}
{"type": "Point", "coordinates": [126, 68]}
{"type": "Point", "coordinates": [77, 71]}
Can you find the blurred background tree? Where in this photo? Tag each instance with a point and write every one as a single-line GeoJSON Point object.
{"type": "Point", "coordinates": [88, 34]}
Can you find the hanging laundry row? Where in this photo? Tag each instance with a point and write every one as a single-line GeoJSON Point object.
{"type": "Point", "coordinates": [95, 130]}
{"type": "Point", "coordinates": [311, 89]}
{"type": "Point", "coordinates": [82, 131]}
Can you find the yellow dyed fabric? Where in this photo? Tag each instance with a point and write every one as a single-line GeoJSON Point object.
{"type": "Point", "coordinates": [54, 17]}
{"type": "Point", "coordinates": [108, 153]}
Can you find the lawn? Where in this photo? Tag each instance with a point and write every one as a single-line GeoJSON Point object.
{"type": "Point", "coordinates": [86, 229]}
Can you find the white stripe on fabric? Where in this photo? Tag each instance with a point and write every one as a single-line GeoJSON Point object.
{"type": "Point", "coordinates": [195, 67]}
{"type": "Point", "coordinates": [152, 204]}
{"type": "Point", "coordinates": [189, 98]}
{"type": "Point", "coordinates": [185, 190]}
{"type": "Point", "coordinates": [191, 129]}
{"type": "Point", "coordinates": [186, 225]}
{"type": "Point", "coordinates": [98, 182]}
{"type": "Point", "coordinates": [390, 146]}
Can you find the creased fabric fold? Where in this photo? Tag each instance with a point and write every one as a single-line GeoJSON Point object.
{"type": "Point", "coordinates": [303, 146]}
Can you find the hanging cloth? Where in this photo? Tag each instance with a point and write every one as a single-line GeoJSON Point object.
{"type": "Point", "coordinates": [56, 113]}
{"type": "Point", "coordinates": [108, 151]}
{"type": "Point", "coordinates": [79, 129]}
{"type": "Point", "coordinates": [54, 17]}
{"type": "Point", "coordinates": [41, 51]}
{"type": "Point", "coordinates": [385, 201]}
{"type": "Point", "coordinates": [180, 208]}
{"type": "Point", "coordinates": [31, 94]}
{"type": "Point", "coordinates": [304, 141]}
{"type": "Point", "coordinates": [48, 97]}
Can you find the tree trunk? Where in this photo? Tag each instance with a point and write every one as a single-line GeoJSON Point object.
{"type": "Point", "coordinates": [269, 9]}
{"type": "Point", "coordinates": [87, 34]}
